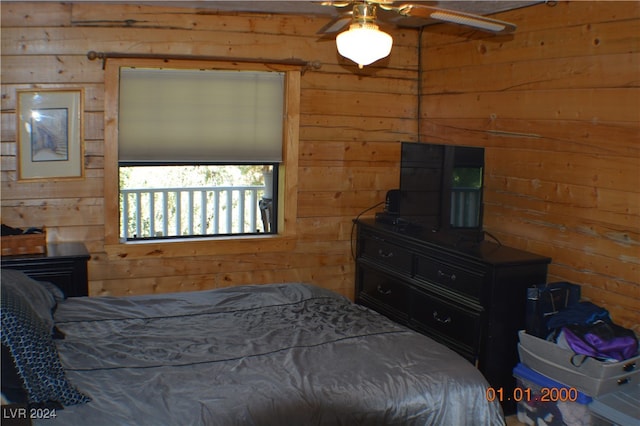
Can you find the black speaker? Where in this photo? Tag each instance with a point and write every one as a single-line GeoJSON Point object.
{"type": "Point", "coordinates": [392, 202]}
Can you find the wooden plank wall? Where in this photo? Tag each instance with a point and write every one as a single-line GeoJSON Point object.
{"type": "Point", "coordinates": [351, 123]}
{"type": "Point", "coordinates": [558, 106]}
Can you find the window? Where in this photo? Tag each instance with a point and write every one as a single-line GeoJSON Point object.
{"type": "Point", "coordinates": [168, 201]}
{"type": "Point", "coordinates": [196, 151]}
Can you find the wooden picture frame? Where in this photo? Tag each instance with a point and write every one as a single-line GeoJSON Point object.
{"type": "Point", "coordinates": [50, 134]}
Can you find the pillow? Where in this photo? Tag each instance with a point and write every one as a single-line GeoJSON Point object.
{"type": "Point", "coordinates": [37, 294]}
{"type": "Point", "coordinates": [28, 337]}
{"type": "Point", "coordinates": [56, 292]}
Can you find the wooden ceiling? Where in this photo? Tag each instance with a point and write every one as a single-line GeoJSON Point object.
{"type": "Point", "coordinates": [304, 7]}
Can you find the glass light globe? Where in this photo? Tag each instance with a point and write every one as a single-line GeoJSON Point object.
{"type": "Point", "coordinates": [364, 44]}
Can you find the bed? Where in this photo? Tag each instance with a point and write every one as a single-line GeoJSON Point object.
{"type": "Point", "coordinates": [274, 354]}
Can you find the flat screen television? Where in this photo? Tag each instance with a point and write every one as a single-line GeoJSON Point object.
{"type": "Point", "coordinates": [441, 186]}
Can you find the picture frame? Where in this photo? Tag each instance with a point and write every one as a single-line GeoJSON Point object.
{"type": "Point", "coordinates": [50, 134]}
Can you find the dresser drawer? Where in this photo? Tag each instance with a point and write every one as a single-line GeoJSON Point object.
{"type": "Point", "coordinates": [383, 252]}
{"type": "Point", "coordinates": [384, 290]}
{"type": "Point", "coordinates": [466, 281]}
{"type": "Point", "coordinates": [460, 324]}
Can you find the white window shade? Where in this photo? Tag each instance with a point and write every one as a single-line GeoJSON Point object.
{"type": "Point", "coordinates": [171, 115]}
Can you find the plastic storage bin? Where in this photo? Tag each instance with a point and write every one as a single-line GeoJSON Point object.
{"type": "Point", "coordinates": [620, 408]}
{"type": "Point", "coordinates": [543, 401]}
{"type": "Point", "coordinates": [592, 377]}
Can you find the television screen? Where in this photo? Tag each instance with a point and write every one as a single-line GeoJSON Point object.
{"type": "Point", "coordinates": [421, 176]}
{"type": "Point", "coordinates": [441, 186]}
{"type": "Point", "coordinates": [466, 197]}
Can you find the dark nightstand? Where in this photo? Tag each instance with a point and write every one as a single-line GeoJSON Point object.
{"type": "Point", "coordinates": [64, 264]}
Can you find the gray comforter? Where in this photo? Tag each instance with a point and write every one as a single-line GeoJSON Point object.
{"type": "Point", "coordinates": [288, 354]}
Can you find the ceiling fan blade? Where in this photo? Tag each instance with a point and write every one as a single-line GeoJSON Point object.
{"type": "Point", "coordinates": [336, 24]}
{"type": "Point", "coordinates": [471, 20]}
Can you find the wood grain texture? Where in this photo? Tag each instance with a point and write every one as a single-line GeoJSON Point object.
{"type": "Point", "coordinates": [555, 104]}
{"type": "Point", "coordinates": [557, 107]}
{"type": "Point", "coordinates": [344, 136]}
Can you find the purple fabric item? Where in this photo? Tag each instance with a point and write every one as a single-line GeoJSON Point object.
{"type": "Point", "coordinates": [602, 340]}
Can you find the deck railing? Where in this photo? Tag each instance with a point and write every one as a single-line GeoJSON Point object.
{"type": "Point", "coordinates": [160, 212]}
{"type": "Point", "coordinates": [465, 207]}
{"type": "Point", "coordinates": [228, 210]}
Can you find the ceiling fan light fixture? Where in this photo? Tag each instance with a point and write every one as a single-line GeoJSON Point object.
{"type": "Point", "coordinates": [364, 43]}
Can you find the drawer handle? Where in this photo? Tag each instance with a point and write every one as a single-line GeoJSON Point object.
{"type": "Point", "coordinates": [438, 318]}
{"type": "Point", "coordinates": [623, 381]}
{"type": "Point", "coordinates": [385, 254]}
{"type": "Point", "coordinates": [629, 367]}
{"type": "Point", "coordinates": [383, 291]}
{"type": "Point", "coordinates": [441, 274]}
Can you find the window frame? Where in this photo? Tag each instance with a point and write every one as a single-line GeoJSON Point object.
{"type": "Point", "coordinates": [284, 240]}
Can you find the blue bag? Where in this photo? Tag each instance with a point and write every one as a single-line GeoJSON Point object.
{"type": "Point", "coordinates": [545, 300]}
{"type": "Point", "coordinates": [581, 313]}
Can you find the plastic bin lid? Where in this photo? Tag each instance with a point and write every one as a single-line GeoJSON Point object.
{"type": "Point", "coordinates": [620, 407]}
{"type": "Point", "coordinates": [523, 372]}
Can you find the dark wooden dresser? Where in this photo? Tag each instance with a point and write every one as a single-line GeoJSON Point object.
{"type": "Point", "coordinates": [468, 295]}
{"type": "Point", "coordinates": [64, 264]}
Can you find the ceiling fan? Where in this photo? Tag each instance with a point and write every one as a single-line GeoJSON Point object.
{"type": "Point", "coordinates": [364, 43]}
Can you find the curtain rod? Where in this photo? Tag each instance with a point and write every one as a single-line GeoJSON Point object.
{"type": "Point", "coordinates": [306, 65]}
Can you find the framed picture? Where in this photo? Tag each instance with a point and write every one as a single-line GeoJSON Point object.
{"type": "Point", "coordinates": [50, 134]}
